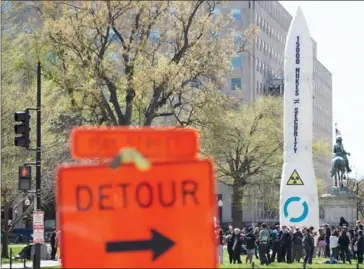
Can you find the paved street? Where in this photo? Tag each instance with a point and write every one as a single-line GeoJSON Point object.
{"type": "Point", "coordinates": [30, 264]}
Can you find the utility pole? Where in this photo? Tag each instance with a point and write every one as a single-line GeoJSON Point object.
{"type": "Point", "coordinates": [22, 128]}
{"type": "Point", "coordinates": [38, 181]}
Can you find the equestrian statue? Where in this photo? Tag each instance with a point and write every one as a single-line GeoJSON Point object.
{"type": "Point", "coordinates": [339, 163]}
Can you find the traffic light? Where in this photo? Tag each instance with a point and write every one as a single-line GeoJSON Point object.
{"type": "Point", "coordinates": [22, 129]}
{"type": "Point", "coordinates": [25, 178]}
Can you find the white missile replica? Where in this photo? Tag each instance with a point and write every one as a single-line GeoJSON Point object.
{"type": "Point", "coordinates": [298, 193]}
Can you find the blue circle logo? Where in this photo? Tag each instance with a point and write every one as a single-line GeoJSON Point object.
{"type": "Point", "coordinates": [304, 205]}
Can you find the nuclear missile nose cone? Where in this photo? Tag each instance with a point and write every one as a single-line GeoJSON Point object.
{"type": "Point", "coordinates": [299, 11]}
{"type": "Point", "coordinates": [299, 16]}
{"type": "Point", "coordinates": [299, 26]}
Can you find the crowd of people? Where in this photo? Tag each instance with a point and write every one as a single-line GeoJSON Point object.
{"type": "Point", "coordinates": [291, 244]}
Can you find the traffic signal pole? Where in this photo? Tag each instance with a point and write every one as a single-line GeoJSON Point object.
{"type": "Point", "coordinates": [38, 181]}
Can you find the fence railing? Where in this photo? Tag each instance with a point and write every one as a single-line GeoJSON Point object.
{"type": "Point", "coordinates": [12, 256]}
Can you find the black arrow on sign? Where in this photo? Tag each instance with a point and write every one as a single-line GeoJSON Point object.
{"type": "Point", "coordinates": [158, 244]}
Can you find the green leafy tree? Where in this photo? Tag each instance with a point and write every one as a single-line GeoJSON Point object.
{"type": "Point", "coordinates": [247, 146]}
{"type": "Point", "coordinates": [18, 78]}
{"type": "Point", "coordinates": [132, 62]}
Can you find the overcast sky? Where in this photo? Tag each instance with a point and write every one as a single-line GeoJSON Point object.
{"type": "Point", "coordinates": [338, 28]}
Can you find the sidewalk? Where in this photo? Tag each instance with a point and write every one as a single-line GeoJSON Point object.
{"type": "Point", "coordinates": [29, 264]}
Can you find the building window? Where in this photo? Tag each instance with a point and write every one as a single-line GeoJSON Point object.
{"type": "Point", "coordinates": [257, 64]}
{"type": "Point", "coordinates": [235, 83]}
{"type": "Point", "coordinates": [258, 42]}
{"type": "Point", "coordinates": [236, 61]}
{"type": "Point", "coordinates": [257, 87]}
{"type": "Point", "coordinates": [237, 38]}
{"type": "Point", "coordinates": [261, 88]}
{"type": "Point", "coordinates": [236, 14]}
{"type": "Point", "coordinates": [154, 35]}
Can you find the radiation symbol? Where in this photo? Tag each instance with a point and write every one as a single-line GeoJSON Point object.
{"type": "Point", "coordinates": [295, 179]}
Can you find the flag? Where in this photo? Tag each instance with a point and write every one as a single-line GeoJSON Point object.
{"type": "Point", "coordinates": [337, 132]}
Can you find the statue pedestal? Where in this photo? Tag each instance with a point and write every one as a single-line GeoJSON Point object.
{"type": "Point", "coordinates": [339, 202]}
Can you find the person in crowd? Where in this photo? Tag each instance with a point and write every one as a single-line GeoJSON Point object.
{"type": "Point", "coordinates": [334, 245]}
{"type": "Point", "coordinates": [353, 238]}
{"type": "Point", "coordinates": [359, 225]}
{"type": "Point", "coordinates": [286, 245]}
{"type": "Point", "coordinates": [263, 241]}
{"type": "Point", "coordinates": [274, 239]}
{"type": "Point", "coordinates": [327, 240]}
{"type": "Point", "coordinates": [297, 245]}
{"type": "Point", "coordinates": [256, 234]}
{"type": "Point", "coordinates": [221, 246]}
{"type": "Point", "coordinates": [229, 239]}
{"type": "Point", "coordinates": [314, 235]}
{"type": "Point", "coordinates": [321, 243]}
{"type": "Point", "coordinates": [250, 245]}
{"type": "Point", "coordinates": [237, 246]}
{"type": "Point", "coordinates": [308, 245]}
{"type": "Point", "coordinates": [360, 247]}
{"type": "Point", "coordinates": [53, 244]}
{"type": "Point", "coordinates": [344, 243]}
{"type": "Point", "coordinates": [343, 222]}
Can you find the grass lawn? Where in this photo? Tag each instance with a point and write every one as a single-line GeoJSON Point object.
{"type": "Point", "coordinates": [16, 249]}
{"type": "Point", "coordinates": [316, 263]}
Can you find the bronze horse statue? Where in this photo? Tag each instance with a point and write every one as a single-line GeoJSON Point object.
{"type": "Point", "coordinates": [338, 170]}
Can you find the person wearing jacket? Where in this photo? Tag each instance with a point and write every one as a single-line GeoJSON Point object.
{"type": "Point", "coordinates": [263, 241]}
{"type": "Point", "coordinates": [321, 243]}
{"type": "Point", "coordinates": [327, 240]}
{"type": "Point", "coordinates": [274, 238]}
{"type": "Point", "coordinates": [220, 241]}
{"type": "Point", "coordinates": [297, 245]}
{"type": "Point", "coordinates": [286, 245]}
{"type": "Point", "coordinates": [237, 246]}
{"type": "Point", "coordinates": [230, 243]}
{"type": "Point", "coordinates": [256, 234]}
{"type": "Point", "coordinates": [343, 222]}
{"type": "Point", "coordinates": [334, 245]}
{"type": "Point", "coordinates": [250, 245]}
{"type": "Point", "coordinates": [360, 246]}
{"type": "Point", "coordinates": [344, 243]}
{"type": "Point", "coordinates": [308, 244]}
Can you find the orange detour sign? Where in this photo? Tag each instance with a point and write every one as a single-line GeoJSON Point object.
{"type": "Point", "coordinates": [126, 218]}
{"type": "Point", "coordinates": [157, 143]}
